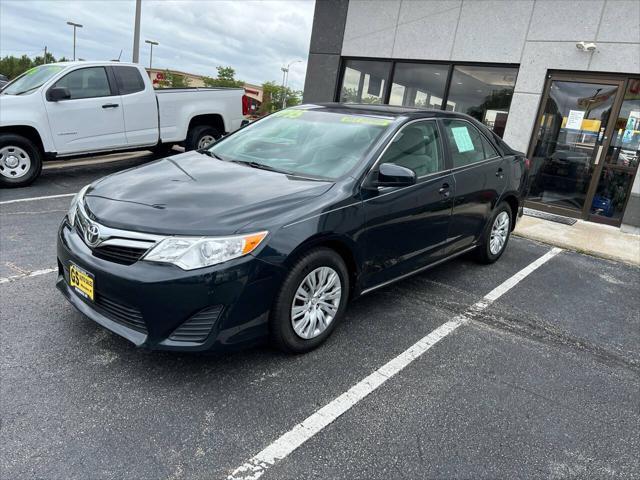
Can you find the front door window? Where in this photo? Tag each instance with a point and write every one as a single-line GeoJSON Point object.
{"type": "Point", "coordinates": [570, 137]}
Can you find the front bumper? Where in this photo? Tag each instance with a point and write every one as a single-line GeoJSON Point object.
{"type": "Point", "coordinates": [148, 303]}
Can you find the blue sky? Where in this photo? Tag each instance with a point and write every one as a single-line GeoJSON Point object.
{"type": "Point", "coordinates": [254, 37]}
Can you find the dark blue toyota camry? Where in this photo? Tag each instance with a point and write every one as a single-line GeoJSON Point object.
{"type": "Point", "coordinates": [269, 232]}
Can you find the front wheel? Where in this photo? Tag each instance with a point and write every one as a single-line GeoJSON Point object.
{"type": "Point", "coordinates": [311, 302]}
{"type": "Point", "coordinates": [201, 136]}
{"type": "Point", "coordinates": [20, 161]}
{"type": "Point", "coordinates": [494, 240]}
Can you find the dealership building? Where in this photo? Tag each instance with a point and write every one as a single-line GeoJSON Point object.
{"type": "Point", "coordinates": [557, 79]}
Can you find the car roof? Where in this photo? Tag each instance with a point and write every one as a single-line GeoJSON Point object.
{"type": "Point", "coordinates": [383, 110]}
{"type": "Point", "coordinates": [91, 63]}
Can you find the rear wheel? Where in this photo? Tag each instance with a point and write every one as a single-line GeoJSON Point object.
{"type": "Point", "coordinates": [496, 236]}
{"type": "Point", "coordinates": [20, 161]}
{"type": "Point", "coordinates": [311, 302]}
{"type": "Point", "coordinates": [201, 136]}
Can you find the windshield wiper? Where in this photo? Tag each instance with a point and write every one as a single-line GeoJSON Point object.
{"type": "Point", "coordinates": [261, 166]}
{"type": "Point", "coordinates": [209, 153]}
{"type": "Point", "coordinates": [28, 90]}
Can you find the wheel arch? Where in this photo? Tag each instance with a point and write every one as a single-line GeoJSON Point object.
{"type": "Point", "coordinates": [29, 132]}
{"type": "Point", "coordinates": [209, 119]}
{"type": "Point", "coordinates": [342, 246]}
{"type": "Point", "coordinates": [512, 200]}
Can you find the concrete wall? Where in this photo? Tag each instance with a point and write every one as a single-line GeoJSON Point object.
{"type": "Point", "coordinates": [537, 34]}
{"type": "Point", "coordinates": [324, 50]}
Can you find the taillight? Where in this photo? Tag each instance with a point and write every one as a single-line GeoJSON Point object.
{"type": "Point", "coordinates": [245, 105]}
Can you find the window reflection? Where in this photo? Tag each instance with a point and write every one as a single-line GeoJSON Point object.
{"type": "Point", "coordinates": [418, 85]}
{"type": "Point", "coordinates": [364, 81]}
{"type": "Point", "coordinates": [484, 93]}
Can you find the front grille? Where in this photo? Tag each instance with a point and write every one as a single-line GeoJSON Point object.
{"type": "Point", "coordinates": [123, 314]}
{"type": "Point", "coordinates": [119, 254]}
{"type": "Point", "coordinates": [198, 327]}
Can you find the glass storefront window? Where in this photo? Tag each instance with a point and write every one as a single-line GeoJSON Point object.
{"type": "Point", "coordinates": [364, 81]}
{"type": "Point", "coordinates": [484, 93]}
{"type": "Point", "coordinates": [419, 85]}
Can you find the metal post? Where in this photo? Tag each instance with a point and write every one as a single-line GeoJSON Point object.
{"type": "Point", "coordinates": [285, 81]}
{"type": "Point", "coordinates": [74, 25]}
{"type": "Point", "coordinates": [136, 33]}
{"type": "Point", "coordinates": [152, 43]}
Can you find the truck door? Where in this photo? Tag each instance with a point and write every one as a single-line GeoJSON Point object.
{"type": "Point", "coordinates": [91, 119]}
{"type": "Point", "coordinates": [139, 106]}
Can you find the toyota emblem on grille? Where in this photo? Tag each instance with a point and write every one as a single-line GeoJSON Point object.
{"type": "Point", "coordinates": [92, 234]}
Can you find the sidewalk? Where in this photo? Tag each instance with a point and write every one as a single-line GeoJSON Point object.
{"type": "Point", "coordinates": [586, 237]}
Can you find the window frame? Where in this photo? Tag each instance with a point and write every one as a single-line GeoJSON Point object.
{"type": "Point", "coordinates": [110, 81]}
{"type": "Point", "coordinates": [498, 155]}
{"type": "Point", "coordinates": [389, 81]}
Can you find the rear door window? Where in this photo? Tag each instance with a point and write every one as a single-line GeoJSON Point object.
{"type": "Point", "coordinates": [129, 80]}
{"type": "Point", "coordinates": [466, 144]}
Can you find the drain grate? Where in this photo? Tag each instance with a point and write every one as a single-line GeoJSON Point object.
{"type": "Point", "coordinates": [552, 217]}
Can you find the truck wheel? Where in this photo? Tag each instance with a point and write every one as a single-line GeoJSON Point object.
{"type": "Point", "coordinates": [20, 161]}
{"type": "Point", "coordinates": [201, 136]}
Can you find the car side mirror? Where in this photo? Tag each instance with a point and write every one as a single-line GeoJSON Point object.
{"type": "Point", "coordinates": [56, 94]}
{"type": "Point", "coordinates": [392, 175]}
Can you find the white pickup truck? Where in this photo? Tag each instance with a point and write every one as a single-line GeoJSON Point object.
{"type": "Point", "coordinates": [80, 108]}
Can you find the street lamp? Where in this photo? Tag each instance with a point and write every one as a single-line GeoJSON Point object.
{"type": "Point", "coordinates": [285, 80]}
{"type": "Point", "coordinates": [152, 43]}
{"type": "Point", "coordinates": [74, 25]}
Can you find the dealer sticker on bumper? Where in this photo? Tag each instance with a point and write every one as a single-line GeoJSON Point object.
{"type": "Point", "coordinates": [81, 281]}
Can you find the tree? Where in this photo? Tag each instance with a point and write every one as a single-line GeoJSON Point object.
{"type": "Point", "coordinates": [12, 66]}
{"type": "Point", "coordinates": [272, 96]}
{"type": "Point", "coordinates": [173, 80]}
{"type": "Point", "coordinates": [225, 78]}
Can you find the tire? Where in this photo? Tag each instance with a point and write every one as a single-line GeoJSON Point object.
{"type": "Point", "coordinates": [196, 137]}
{"type": "Point", "coordinates": [315, 262]}
{"type": "Point", "coordinates": [487, 252]}
{"type": "Point", "coordinates": [20, 161]}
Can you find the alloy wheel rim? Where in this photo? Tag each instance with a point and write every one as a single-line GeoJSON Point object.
{"type": "Point", "coordinates": [14, 162]}
{"type": "Point", "coordinates": [499, 233]}
{"type": "Point", "coordinates": [206, 140]}
{"type": "Point", "coordinates": [316, 302]}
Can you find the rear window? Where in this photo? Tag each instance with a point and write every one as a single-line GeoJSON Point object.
{"type": "Point", "coordinates": [129, 80]}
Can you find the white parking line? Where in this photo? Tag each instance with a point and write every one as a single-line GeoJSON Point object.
{"type": "Point", "coordinates": [33, 199]}
{"type": "Point", "coordinates": [294, 438]}
{"type": "Point", "coordinates": [35, 273]}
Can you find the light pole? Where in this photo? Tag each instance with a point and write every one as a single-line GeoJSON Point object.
{"type": "Point", "coordinates": [74, 25]}
{"type": "Point", "coordinates": [285, 80]}
{"type": "Point", "coordinates": [152, 43]}
{"type": "Point", "coordinates": [136, 33]}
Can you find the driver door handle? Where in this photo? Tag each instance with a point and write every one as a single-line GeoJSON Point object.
{"type": "Point", "coordinates": [444, 190]}
{"type": "Point", "coordinates": [110, 105]}
{"type": "Point", "coordinates": [499, 173]}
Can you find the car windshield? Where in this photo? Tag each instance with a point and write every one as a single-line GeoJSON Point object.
{"type": "Point", "coordinates": [304, 142]}
{"type": "Point", "coordinates": [31, 79]}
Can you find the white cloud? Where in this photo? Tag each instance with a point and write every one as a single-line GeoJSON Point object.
{"type": "Point", "coordinates": [254, 37]}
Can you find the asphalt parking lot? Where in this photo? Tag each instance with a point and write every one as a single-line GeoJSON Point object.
{"type": "Point", "coordinates": [542, 383]}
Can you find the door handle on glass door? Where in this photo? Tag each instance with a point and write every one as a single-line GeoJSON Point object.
{"type": "Point", "coordinates": [444, 190]}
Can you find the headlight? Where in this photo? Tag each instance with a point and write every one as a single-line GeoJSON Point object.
{"type": "Point", "coordinates": [73, 208]}
{"type": "Point", "coordinates": [189, 253]}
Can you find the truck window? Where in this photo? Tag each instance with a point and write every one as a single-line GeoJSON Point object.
{"type": "Point", "coordinates": [129, 80]}
{"type": "Point", "coordinates": [86, 83]}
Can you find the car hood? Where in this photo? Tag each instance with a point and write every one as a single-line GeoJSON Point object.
{"type": "Point", "coordinates": [194, 194]}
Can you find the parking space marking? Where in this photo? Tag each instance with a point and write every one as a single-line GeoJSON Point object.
{"type": "Point", "coordinates": [33, 199]}
{"type": "Point", "coordinates": [35, 273]}
{"type": "Point", "coordinates": [294, 438]}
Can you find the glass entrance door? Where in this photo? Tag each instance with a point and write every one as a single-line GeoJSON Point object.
{"type": "Point", "coordinates": [573, 130]}
{"type": "Point", "coordinates": [620, 162]}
